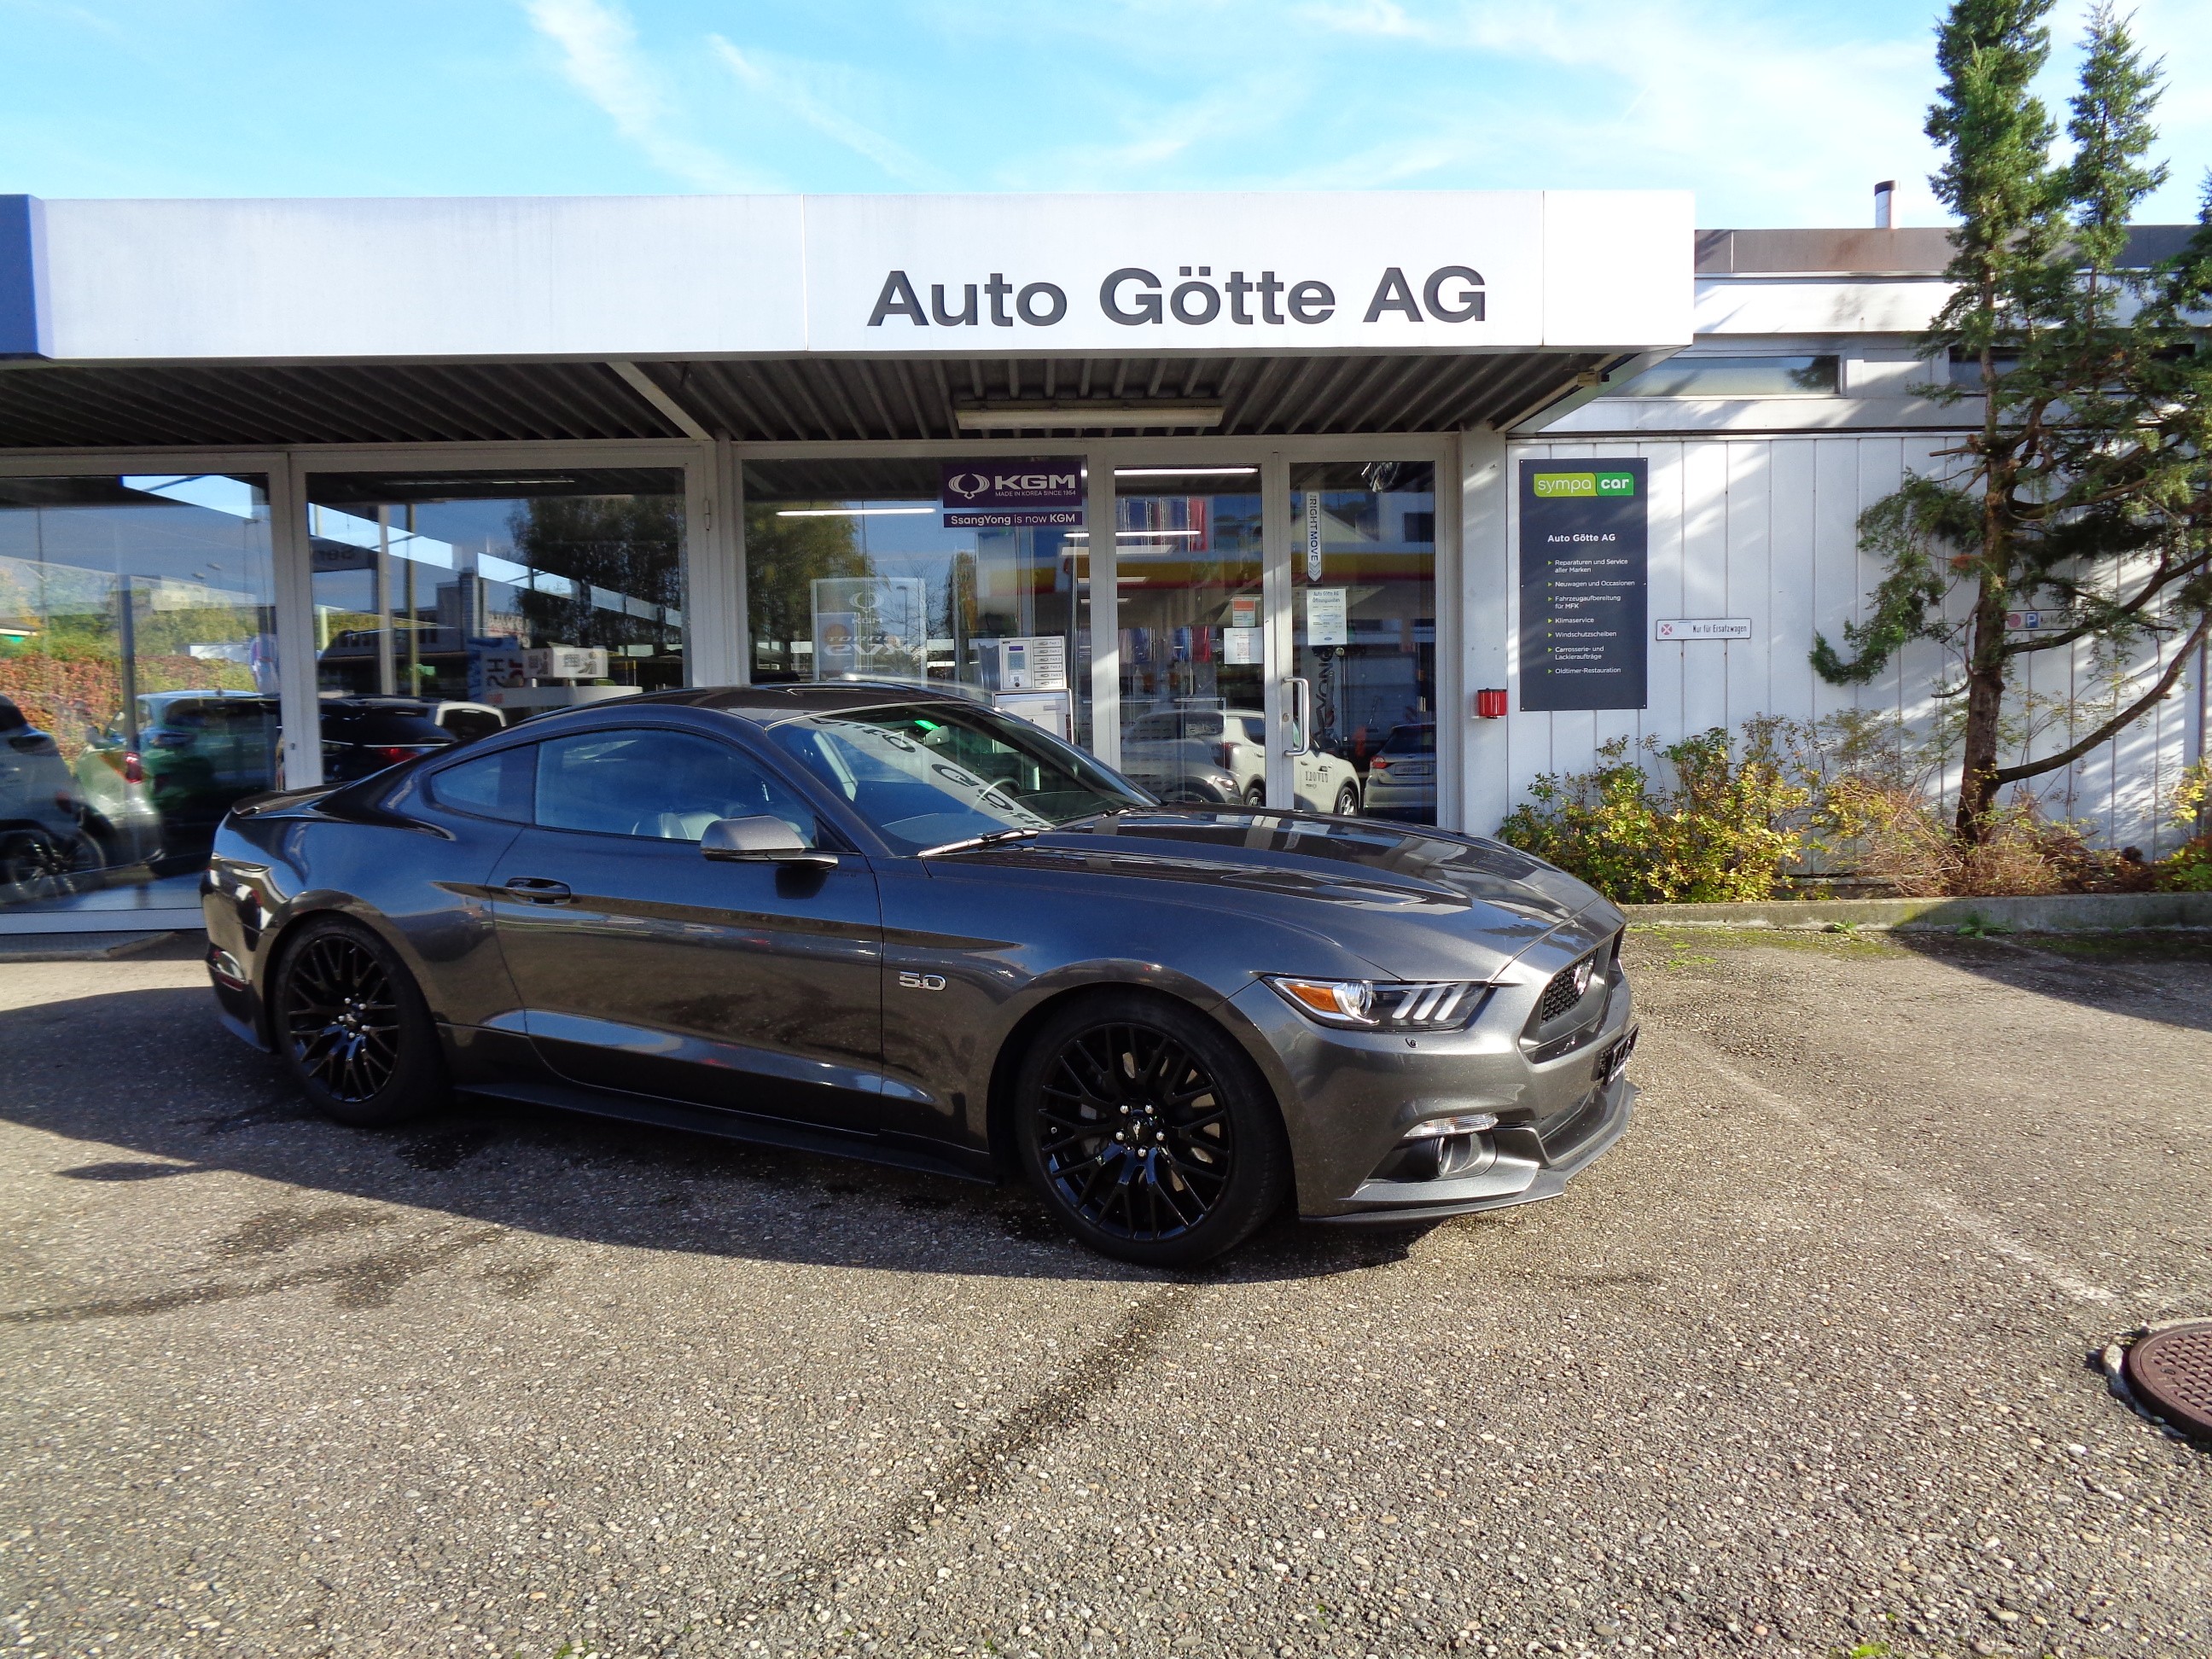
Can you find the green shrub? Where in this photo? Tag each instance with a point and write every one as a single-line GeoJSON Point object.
{"type": "Point", "coordinates": [1724, 830]}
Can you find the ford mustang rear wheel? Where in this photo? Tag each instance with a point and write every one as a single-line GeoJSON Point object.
{"type": "Point", "coordinates": [352, 1028]}
{"type": "Point", "coordinates": [1149, 1131]}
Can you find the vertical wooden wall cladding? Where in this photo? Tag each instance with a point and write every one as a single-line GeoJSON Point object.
{"type": "Point", "coordinates": [1767, 528]}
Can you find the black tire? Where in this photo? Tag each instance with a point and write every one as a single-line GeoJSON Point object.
{"type": "Point", "coordinates": [1347, 801]}
{"type": "Point", "coordinates": [1215, 1164]}
{"type": "Point", "coordinates": [1256, 793]}
{"type": "Point", "coordinates": [35, 865]}
{"type": "Point", "coordinates": [351, 1026]}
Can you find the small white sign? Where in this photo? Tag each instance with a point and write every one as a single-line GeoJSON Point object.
{"type": "Point", "coordinates": [1244, 610]}
{"type": "Point", "coordinates": [1702, 628]}
{"type": "Point", "coordinates": [1313, 535]}
{"type": "Point", "coordinates": [1325, 616]}
{"type": "Point", "coordinates": [1240, 647]}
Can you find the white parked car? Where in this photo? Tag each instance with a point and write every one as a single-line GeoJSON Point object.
{"type": "Point", "coordinates": [1220, 756]}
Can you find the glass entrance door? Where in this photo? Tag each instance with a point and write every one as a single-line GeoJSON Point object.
{"type": "Point", "coordinates": [1363, 637]}
{"type": "Point", "coordinates": [1191, 633]}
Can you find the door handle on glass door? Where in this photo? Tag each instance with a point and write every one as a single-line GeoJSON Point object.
{"type": "Point", "coordinates": [536, 889]}
{"type": "Point", "coordinates": [1301, 716]}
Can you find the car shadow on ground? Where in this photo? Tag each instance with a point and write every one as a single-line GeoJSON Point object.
{"type": "Point", "coordinates": [204, 1103]}
{"type": "Point", "coordinates": [2161, 974]}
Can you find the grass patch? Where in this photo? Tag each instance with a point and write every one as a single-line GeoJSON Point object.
{"type": "Point", "coordinates": [1689, 946]}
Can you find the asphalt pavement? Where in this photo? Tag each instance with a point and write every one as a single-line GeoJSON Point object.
{"type": "Point", "coordinates": [1802, 1365]}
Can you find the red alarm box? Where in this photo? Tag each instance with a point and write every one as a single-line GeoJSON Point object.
{"type": "Point", "coordinates": [1489, 705]}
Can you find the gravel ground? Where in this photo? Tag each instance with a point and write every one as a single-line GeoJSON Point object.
{"type": "Point", "coordinates": [1801, 1366]}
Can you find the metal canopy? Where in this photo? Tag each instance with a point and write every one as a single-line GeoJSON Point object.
{"type": "Point", "coordinates": [810, 398]}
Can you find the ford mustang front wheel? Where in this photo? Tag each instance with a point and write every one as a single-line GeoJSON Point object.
{"type": "Point", "coordinates": [1148, 1130]}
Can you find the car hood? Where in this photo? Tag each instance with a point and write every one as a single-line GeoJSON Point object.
{"type": "Point", "coordinates": [1417, 903]}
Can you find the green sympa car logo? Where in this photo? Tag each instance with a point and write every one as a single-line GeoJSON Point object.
{"type": "Point", "coordinates": [1554, 485]}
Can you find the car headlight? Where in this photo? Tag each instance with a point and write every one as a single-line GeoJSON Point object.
{"type": "Point", "coordinates": [1371, 1004]}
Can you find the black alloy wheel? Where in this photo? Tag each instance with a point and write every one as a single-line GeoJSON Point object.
{"type": "Point", "coordinates": [1149, 1132]}
{"type": "Point", "coordinates": [1256, 793]}
{"type": "Point", "coordinates": [352, 1028]}
{"type": "Point", "coordinates": [34, 866]}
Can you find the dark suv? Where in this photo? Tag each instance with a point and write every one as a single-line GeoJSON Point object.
{"type": "Point", "coordinates": [364, 735]}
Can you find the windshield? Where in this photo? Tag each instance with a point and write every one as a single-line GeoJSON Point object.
{"type": "Point", "coordinates": [929, 775]}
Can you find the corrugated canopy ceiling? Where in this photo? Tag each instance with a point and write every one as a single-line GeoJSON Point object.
{"type": "Point", "coordinates": [51, 406]}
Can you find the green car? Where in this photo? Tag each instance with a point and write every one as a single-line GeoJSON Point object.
{"type": "Point", "coordinates": [198, 751]}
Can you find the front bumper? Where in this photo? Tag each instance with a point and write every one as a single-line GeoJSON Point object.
{"type": "Point", "coordinates": [1349, 1098]}
{"type": "Point", "coordinates": [1514, 1178]}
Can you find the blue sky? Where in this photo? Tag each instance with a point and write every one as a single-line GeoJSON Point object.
{"type": "Point", "coordinates": [1783, 112]}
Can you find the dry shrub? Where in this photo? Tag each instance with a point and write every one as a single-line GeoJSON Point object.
{"type": "Point", "coordinates": [1907, 841]}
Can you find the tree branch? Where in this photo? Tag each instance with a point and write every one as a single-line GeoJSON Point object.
{"type": "Point", "coordinates": [2005, 774]}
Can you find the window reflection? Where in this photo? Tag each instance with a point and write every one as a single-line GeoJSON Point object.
{"type": "Point", "coordinates": [1365, 625]}
{"type": "Point", "coordinates": [851, 572]}
{"type": "Point", "coordinates": [137, 682]}
{"type": "Point", "coordinates": [485, 598]}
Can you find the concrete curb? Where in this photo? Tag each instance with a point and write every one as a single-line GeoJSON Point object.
{"type": "Point", "coordinates": [2056, 913]}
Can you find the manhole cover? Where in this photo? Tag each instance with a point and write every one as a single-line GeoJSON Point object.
{"type": "Point", "coordinates": [2171, 1371]}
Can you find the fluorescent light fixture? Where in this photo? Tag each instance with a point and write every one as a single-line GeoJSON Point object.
{"type": "Point", "coordinates": [850, 512]}
{"type": "Point", "coordinates": [1132, 535]}
{"type": "Point", "coordinates": [1077, 414]}
{"type": "Point", "coordinates": [1184, 472]}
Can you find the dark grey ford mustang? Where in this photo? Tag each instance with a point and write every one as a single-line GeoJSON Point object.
{"type": "Point", "coordinates": [898, 925]}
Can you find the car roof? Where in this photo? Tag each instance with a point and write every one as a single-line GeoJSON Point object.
{"type": "Point", "coordinates": [768, 705]}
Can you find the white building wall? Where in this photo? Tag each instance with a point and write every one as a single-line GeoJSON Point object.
{"type": "Point", "coordinates": [1767, 527]}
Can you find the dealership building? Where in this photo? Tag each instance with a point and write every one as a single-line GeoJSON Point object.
{"type": "Point", "coordinates": [1391, 501]}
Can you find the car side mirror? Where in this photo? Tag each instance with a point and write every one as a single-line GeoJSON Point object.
{"type": "Point", "coordinates": [762, 840]}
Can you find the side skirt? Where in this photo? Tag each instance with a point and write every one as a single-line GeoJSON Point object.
{"type": "Point", "coordinates": [896, 1152]}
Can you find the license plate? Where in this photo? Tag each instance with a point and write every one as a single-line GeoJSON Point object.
{"type": "Point", "coordinates": [1614, 1060]}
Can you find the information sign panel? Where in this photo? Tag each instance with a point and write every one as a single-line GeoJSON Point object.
{"type": "Point", "coordinates": [1585, 584]}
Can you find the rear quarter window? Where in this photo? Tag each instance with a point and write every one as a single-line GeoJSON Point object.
{"type": "Point", "coordinates": [499, 786]}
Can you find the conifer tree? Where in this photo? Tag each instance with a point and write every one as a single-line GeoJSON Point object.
{"type": "Point", "coordinates": [2084, 489]}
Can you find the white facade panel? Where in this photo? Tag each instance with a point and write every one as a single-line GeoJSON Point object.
{"type": "Point", "coordinates": [1769, 306]}
{"type": "Point", "coordinates": [644, 277]}
{"type": "Point", "coordinates": [1590, 298]}
{"type": "Point", "coordinates": [498, 276]}
{"type": "Point", "coordinates": [1767, 529]}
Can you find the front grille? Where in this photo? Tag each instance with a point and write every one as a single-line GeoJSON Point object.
{"type": "Point", "coordinates": [1565, 989]}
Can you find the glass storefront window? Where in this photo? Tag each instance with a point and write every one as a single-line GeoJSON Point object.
{"type": "Point", "coordinates": [1192, 672]}
{"type": "Point", "coordinates": [1362, 569]}
{"type": "Point", "coordinates": [851, 572]}
{"type": "Point", "coordinates": [137, 683]}
{"type": "Point", "coordinates": [446, 603]}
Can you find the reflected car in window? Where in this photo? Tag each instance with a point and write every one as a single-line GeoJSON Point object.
{"type": "Point", "coordinates": [1219, 757]}
{"type": "Point", "coordinates": [1401, 777]}
{"type": "Point", "coordinates": [198, 753]}
{"type": "Point", "coordinates": [906, 927]}
{"type": "Point", "coordinates": [44, 852]}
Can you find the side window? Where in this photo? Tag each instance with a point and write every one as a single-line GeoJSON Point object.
{"type": "Point", "coordinates": [496, 786]}
{"type": "Point", "coordinates": [662, 786]}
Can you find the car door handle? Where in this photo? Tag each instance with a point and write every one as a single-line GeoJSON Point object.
{"type": "Point", "coordinates": [536, 889]}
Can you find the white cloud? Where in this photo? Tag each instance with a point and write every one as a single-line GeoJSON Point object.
{"type": "Point", "coordinates": [782, 83]}
{"type": "Point", "coordinates": [598, 54]}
